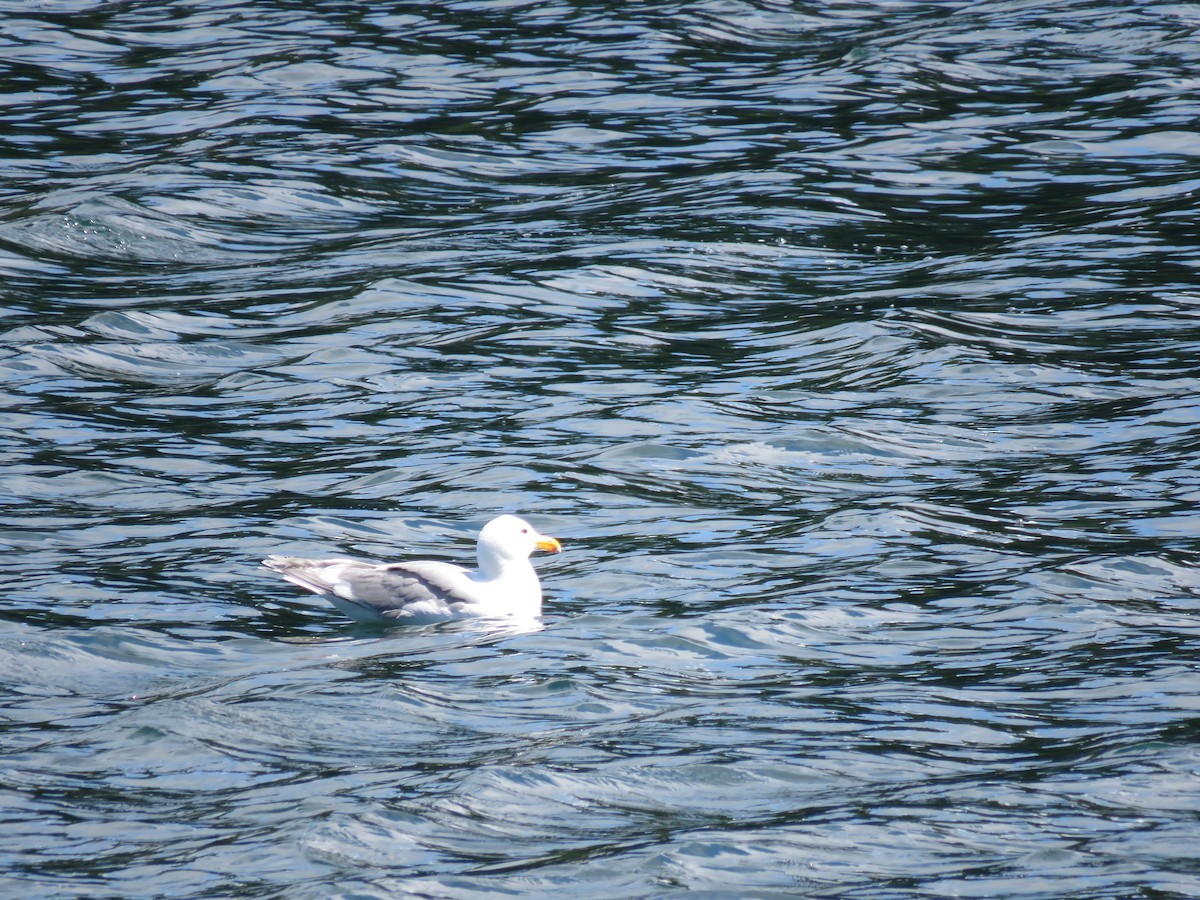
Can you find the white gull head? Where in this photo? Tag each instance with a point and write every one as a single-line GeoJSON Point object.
{"type": "Point", "coordinates": [507, 541]}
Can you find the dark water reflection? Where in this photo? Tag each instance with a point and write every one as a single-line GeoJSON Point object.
{"type": "Point", "coordinates": [849, 348]}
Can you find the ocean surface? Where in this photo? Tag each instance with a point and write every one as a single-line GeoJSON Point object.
{"type": "Point", "coordinates": [851, 349]}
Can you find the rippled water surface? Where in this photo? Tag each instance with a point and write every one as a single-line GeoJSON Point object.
{"type": "Point", "coordinates": [851, 349]}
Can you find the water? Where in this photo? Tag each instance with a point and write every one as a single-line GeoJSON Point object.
{"type": "Point", "coordinates": [849, 348]}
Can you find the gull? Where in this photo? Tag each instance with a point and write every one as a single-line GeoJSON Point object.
{"type": "Point", "coordinates": [504, 585]}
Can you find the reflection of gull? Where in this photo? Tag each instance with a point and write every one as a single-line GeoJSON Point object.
{"type": "Point", "coordinates": [504, 585]}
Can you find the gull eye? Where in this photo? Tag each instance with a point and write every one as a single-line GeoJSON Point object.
{"type": "Point", "coordinates": [524, 531]}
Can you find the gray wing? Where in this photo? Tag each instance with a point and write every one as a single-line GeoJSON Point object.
{"type": "Point", "coordinates": [396, 591]}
